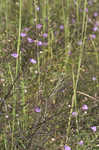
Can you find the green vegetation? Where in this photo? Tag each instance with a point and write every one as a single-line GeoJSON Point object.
{"type": "Point", "coordinates": [49, 75]}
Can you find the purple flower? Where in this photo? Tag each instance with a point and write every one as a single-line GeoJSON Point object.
{"type": "Point", "coordinates": [95, 28]}
{"type": "Point", "coordinates": [69, 53]}
{"type": "Point", "coordinates": [45, 35]}
{"type": "Point", "coordinates": [33, 61]}
{"type": "Point", "coordinates": [67, 147]}
{"type": "Point", "coordinates": [95, 14]}
{"type": "Point", "coordinates": [23, 34]}
{"type": "Point", "coordinates": [81, 10]}
{"type": "Point", "coordinates": [80, 42]}
{"type": "Point", "coordinates": [93, 78]}
{"type": "Point", "coordinates": [39, 43]}
{"type": "Point", "coordinates": [30, 40]}
{"type": "Point", "coordinates": [26, 29]}
{"type": "Point", "coordinates": [15, 55]}
{"type": "Point", "coordinates": [37, 109]}
{"type": "Point", "coordinates": [93, 36]}
{"type": "Point", "coordinates": [61, 27]}
{"type": "Point", "coordinates": [84, 107]}
{"type": "Point", "coordinates": [90, 2]}
{"type": "Point", "coordinates": [37, 8]}
{"type": "Point", "coordinates": [93, 128]}
{"type": "Point", "coordinates": [73, 20]}
{"type": "Point", "coordinates": [97, 23]}
{"type": "Point", "coordinates": [74, 114]}
{"type": "Point", "coordinates": [81, 142]}
{"type": "Point", "coordinates": [45, 43]}
{"type": "Point", "coordinates": [39, 26]}
{"type": "Point", "coordinates": [86, 9]}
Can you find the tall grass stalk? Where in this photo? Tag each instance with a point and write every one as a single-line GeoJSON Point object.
{"type": "Point", "coordinates": [6, 14]}
{"type": "Point", "coordinates": [66, 13]}
{"type": "Point", "coordinates": [30, 8]}
{"type": "Point", "coordinates": [23, 104]}
{"type": "Point", "coordinates": [75, 81]}
{"type": "Point", "coordinates": [44, 14]}
{"type": "Point", "coordinates": [96, 52]}
{"type": "Point", "coordinates": [5, 139]}
{"type": "Point", "coordinates": [73, 106]}
{"type": "Point", "coordinates": [83, 38]}
{"type": "Point", "coordinates": [50, 32]}
{"type": "Point", "coordinates": [36, 15]}
{"type": "Point", "coordinates": [14, 116]}
{"type": "Point", "coordinates": [44, 5]}
{"type": "Point", "coordinates": [77, 11]}
{"type": "Point", "coordinates": [51, 40]}
{"type": "Point", "coordinates": [14, 110]}
{"type": "Point", "coordinates": [78, 4]}
{"type": "Point", "coordinates": [38, 53]}
{"type": "Point", "coordinates": [19, 39]}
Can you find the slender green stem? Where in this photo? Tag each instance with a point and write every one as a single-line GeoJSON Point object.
{"type": "Point", "coordinates": [19, 39]}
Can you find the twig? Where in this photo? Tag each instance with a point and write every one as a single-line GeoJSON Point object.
{"type": "Point", "coordinates": [82, 93]}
